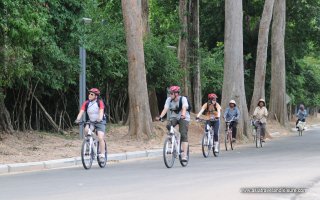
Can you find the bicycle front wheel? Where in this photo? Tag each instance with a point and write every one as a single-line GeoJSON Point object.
{"type": "Point", "coordinates": [230, 140]}
{"type": "Point", "coordinates": [182, 162]}
{"type": "Point", "coordinates": [226, 140]}
{"type": "Point", "coordinates": [206, 147]}
{"type": "Point", "coordinates": [103, 163]}
{"type": "Point", "coordinates": [169, 152]}
{"type": "Point", "coordinates": [86, 154]}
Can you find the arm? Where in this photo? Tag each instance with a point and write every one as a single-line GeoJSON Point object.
{"type": "Point", "coordinates": [166, 107]}
{"type": "Point", "coordinates": [265, 112]}
{"type": "Point", "coordinates": [79, 115]}
{"type": "Point", "coordinates": [226, 113]}
{"type": "Point", "coordinates": [184, 107]}
{"type": "Point", "coordinates": [204, 106]}
{"type": "Point", "coordinates": [238, 115]}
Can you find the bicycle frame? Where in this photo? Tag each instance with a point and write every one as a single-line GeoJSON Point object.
{"type": "Point", "coordinates": [174, 139]}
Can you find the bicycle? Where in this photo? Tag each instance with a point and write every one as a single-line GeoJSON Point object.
{"type": "Point", "coordinates": [228, 135]}
{"type": "Point", "coordinates": [207, 143]}
{"type": "Point", "coordinates": [301, 126]}
{"type": "Point", "coordinates": [90, 148]}
{"type": "Point", "coordinates": [257, 133]}
{"type": "Point", "coordinates": [172, 148]}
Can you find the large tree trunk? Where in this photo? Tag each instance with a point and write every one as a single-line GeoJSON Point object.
{"type": "Point", "coordinates": [145, 31]}
{"type": "Point", "coordinates": [260, 72]}
{"type": "Point", "coordinates": [233, 79]}
{"type": "Point", "coordinates": [183, 44]}
{"type": "Point", "coordinates": [278, 108]}
{"type": "Point", "coordinates": [140, 122]}
{"type": "Point", "coordinates": [194, 60]}
{"type": "Point", "coordinates": [145, 17]}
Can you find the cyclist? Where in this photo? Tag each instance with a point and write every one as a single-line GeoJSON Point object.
{"type": "Point", "coordinates": [94, 108]}
{"type": "Point", "coordinates": [232, 112]}
{"type": "Point", "coordinates": [302, 114]}
{"type": "Point", "coordinates": [261, 114]}
{"type": "Point", "coordinates": [213, 110]}
{"type": "Point", "coordinates": [181, 117]}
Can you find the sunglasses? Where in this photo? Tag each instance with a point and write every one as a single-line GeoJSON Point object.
{"type": "Point", "coordinates": [91, 94]}
{"type": "Point", "coordinates": [171, 93]}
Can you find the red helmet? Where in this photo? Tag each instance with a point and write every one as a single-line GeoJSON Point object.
{"type": "Point", "coordinates": [174, 88]}
{"type": "Point", "coordinates": [212, 96]}
{"type": "Point", "coordinates": [95, 91]}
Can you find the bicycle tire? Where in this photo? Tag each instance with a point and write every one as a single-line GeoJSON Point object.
{"type": "Point", "coordinates": [205, 145]}
{"type": "Point", "coordinates": [216, 154]}
{"type": "Point", "coordinates": [184, 163]}
{"type": "Point", "coordinates": [226, 139]}
{"type": "Point", "coordinates": [168, 144]}
{"type": "Point", "coordinates": [86, 154]}
{"type": "Point", "coordinates": [102, 164]}
{"type": "Point", "coordinates": [230, 140]}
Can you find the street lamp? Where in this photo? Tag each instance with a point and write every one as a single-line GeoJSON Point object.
{"type": "Point", "coordinates": [82, 77]}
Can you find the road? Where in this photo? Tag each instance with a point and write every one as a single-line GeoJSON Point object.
{"type": "Point", "coordinates": [285, 162]}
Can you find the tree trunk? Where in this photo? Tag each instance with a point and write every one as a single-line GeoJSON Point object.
{"type": "Point", "coordinates": [183, 43]}
{"type": "Point", "coordinates": [278, 107]}
{"type": "Point", "coordinates": [194, 53]}
{"type": "Point", "coordinates": [153, 103]}
{"type": "Point", "coordinates": [260, 71]}
{"type": "Point", "coordinates": [145, 17]}
{"type": "Point", "coordinates": [5, 122]}
{"type": "Point", "coordinates": [145, 31]}
{"type": "Point", "coordinates": [233, 79]}
{"type": "Point", "coordinates": [140, 122]}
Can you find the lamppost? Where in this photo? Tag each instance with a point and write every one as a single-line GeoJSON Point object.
{"type": "Point", "coordinates": [82, 77]}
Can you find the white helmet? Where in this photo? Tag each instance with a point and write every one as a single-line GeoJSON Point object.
{"type": "Point", "coordinates": [233, 101]}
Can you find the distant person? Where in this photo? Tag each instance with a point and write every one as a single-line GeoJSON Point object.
{"type": "Point", "coordinates": [178, 116]}
{"type": "Point", "coordinates": [94, 108]}
{"type": "Point", "coordinates": [232, 112]}
{"type": "Point", "coordinates": [260, 114]}
{"type": "Point", "coordinates": [213, 110]}
{"type": "Point", "coordinates": [301, 115]}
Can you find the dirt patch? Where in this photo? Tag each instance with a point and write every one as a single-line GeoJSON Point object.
{"type": "Point", "coordinates": [22, 147]}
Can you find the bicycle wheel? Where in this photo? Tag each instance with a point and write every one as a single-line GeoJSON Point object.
{"type": "Point", "coordinates": [206, 147]}
{"type": "Point", "coordinates": [184, 163]}
{"type": "Point", "coordinates": [169, 152]}
{"type": "Point", "coordinates": [260, 141]}
{"type": "Point", "coordinates": [86, 154]}
{"type": "Point", "coordinates": [226, 139]}
{"type": "Point", "coordinates": [230, 139]}
{"type": "Point", "coordinates": [216, 154]}
{"type": "Point", "coordinates": [102, 164]}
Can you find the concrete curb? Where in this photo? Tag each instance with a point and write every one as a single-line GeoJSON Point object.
{"type": "Point", "coordinates": [75, 161]}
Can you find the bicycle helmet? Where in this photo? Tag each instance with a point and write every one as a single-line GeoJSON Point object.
{"type": "Point", "coordinates": [233, 101]}
{"type": "Point", "coordinates": [96, 91]}
{"type": "Point", "coordinates": [174, 88]}
{"type": "Point", "coordinates": [212, 96]}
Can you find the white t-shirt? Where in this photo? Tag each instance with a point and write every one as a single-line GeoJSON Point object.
{"type": "Point", "coordinates": [173, 105]}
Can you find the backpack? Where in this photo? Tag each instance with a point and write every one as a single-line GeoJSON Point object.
{"type": "Point", "coordinates": [189, 104]}
{"type": "Point", "coordinates": [104, 111]}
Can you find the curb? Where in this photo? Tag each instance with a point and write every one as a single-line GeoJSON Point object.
{"type": "Point", "coordinates": [72, 162]}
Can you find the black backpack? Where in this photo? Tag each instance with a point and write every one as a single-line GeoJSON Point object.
{"type": "Point", "coordinates": [189, 104]}
{"type": "Point", "coordinates": [98, 102]}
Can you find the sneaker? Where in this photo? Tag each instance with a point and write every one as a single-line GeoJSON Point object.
{"type": "Point", "coordinates": [102, 158]}
{"type": "Point", "coordinates": [184, 159]}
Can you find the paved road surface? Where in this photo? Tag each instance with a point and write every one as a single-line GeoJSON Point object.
{"type": "Point", "coordinates": [286, 162]}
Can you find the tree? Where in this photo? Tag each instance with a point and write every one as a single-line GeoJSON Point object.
{"type": "Point", "coordinates": [261, 61]}
{"type": "Point", "coordinates": [233, 79]}
{"type": "Point", "coordinates": [140, 122]}
{"type": "Point", "coordinates": [183, 44]}
{"type": "Point", "coordinates": [278, 107]}
{"type": "Point", "coordinates": [194, 60]}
